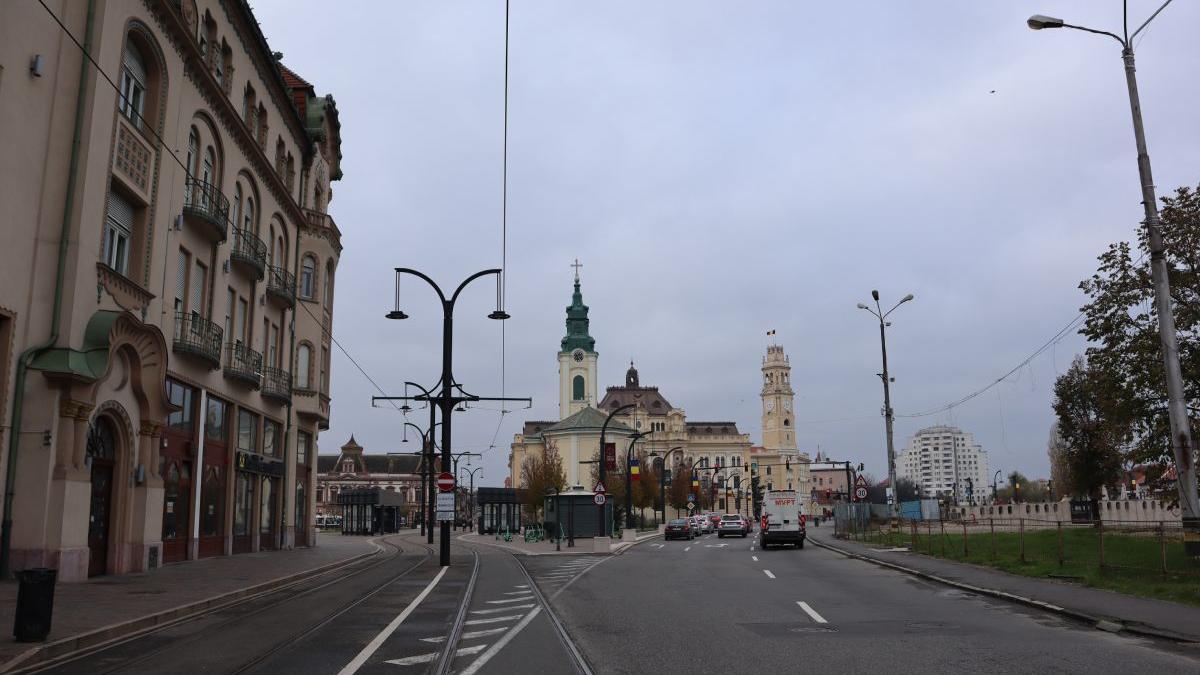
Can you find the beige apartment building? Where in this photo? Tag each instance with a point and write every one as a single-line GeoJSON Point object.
{"type": "Point", "coordinates": [166, 285]}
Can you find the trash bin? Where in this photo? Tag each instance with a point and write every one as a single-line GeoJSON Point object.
{"type": "Point", "coordinates": [35, 603]}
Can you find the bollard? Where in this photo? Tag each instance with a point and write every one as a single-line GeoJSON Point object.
{"type": "Point", "coordinates": [1060, 544]}
{"type": "Point", "coordinates": [1021, 536]}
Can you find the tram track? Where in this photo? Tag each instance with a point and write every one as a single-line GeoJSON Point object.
{"type": "Point", "coordinates": [271, 599]}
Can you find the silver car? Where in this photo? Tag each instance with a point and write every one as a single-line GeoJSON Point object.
{"type": "Point", "coordinates": [732, 524]}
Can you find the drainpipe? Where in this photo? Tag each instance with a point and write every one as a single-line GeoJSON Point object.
{"type": "Point", "coordinates": [290, 489]}
{"type": "Point", "coordinates": [55, 319]}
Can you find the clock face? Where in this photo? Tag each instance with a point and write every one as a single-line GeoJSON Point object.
{"type": "Point", "coordinates": [770, 406]}
{"type": "Point", "coordinates": [787, 405]}
{"type": "Point", "coordinates": [577, 355]}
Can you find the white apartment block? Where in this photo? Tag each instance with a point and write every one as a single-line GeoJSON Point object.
{"type": "Point", "coordinates": [944, 461]}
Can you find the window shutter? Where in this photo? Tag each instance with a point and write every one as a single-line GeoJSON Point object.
{"type": "Point", "coordinates": [120, 211]}
{"type": "Point", "coordinates": [181, 279]}
{"type": "Point", "coordinates": [133, 63]}
{"type": "Point", "coordinates": [196, 304]}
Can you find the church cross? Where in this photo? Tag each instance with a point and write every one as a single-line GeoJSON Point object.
{"type": "Point", "coordinates": [577, 265]}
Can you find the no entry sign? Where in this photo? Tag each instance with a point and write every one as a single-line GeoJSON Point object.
{"type": "Point", "coordinates": [445, 482]}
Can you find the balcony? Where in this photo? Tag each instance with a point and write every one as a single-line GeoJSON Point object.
{"type": "Point", "coordinates": [243, 364]}
{"type": "Point", "coordinates": [281, 286]}
{"type": "Point", "coordinates": [249, 252]}
{"type": "Point", "coordinates": [198, 337]}
{"type": "Point", "coordinates": [277, 384]}
{"type": "Point", "coordinates": [207, 208]}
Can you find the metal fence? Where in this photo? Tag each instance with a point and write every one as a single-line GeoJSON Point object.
{"type": "Point", "coordinates": [1051, 547]}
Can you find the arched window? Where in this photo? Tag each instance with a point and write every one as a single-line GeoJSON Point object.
{"type": "Point", "coordinates": [133, 84]}
{"type": "Point", "coordinates": [303, 365]}
{"type": "Point", "coordinates": [237, 204]}
{"type": "Point", "coordinates": [577, 388]}
{"type": "Point", "coordinates": [248, 216]}
{"type": "Point", "coordinates": [280, 156]}
{"type": "Point", "coordinates": [308, 277]}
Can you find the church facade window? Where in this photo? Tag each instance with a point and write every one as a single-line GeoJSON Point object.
{"type": "Point", "coordinates": [577, 388]}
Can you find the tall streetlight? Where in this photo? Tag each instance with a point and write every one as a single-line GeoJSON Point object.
{"type": "Point", "coordinates": [629, 523]}
{"type": "Point", "coordinates": [888, 413]}
{"type": "Point", "coordinates": [995, 485]}
{"type": "Point", "coordinates": [603, 459]}
{"type": "Point", "coordinates": [446, 399]}
{"type": "Point", "coordinates": [1181, 431]}
{"type": "Point", "coordinates": [662, 480]}
{"type": "Point", "coordinates": [426, 453]}
{"type": "Point", "coordinates": [454, 459]}
{"type": "Point", "coordinates": [471, 495]}
{"type": "Point", "coordinates": [427, 488]}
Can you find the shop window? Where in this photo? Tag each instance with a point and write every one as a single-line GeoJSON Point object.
{"type": "Point", "coordinates": [180, 395]}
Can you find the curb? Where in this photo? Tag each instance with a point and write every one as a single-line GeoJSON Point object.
{"type": "Point", "coordinates": [520, 551]}
{"type": "Point", "coordinates": [66, 646]}
{"type": "Point", "coordinates": [1099, 623]}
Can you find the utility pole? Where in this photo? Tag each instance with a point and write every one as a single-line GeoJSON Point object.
{"type": "Point", "coordinates": [888, 413]}
{"type": "Point", "coordinates": [1181, 432]}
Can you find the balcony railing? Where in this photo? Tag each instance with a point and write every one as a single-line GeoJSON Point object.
{"type": "Point", "coordinates": [243, 363]}
{"type": "Point", "coordinates": [249, 251]}
{"type": "Point", "coordinates": [199, 337]}
{"type": "Point", "coordinates": [277, 384]}
{"type": "Point", "coordinates": [281, 285]}
{"type": "Point", "coordinates": [204, 203]}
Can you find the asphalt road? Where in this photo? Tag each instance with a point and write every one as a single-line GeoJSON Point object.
{"type": "Point", "coordinates": [713, 605]}
{"type": "Point", "coordinates": [707, 605]}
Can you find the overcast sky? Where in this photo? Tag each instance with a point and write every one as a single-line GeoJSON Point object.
{"type": "Point", "coordinates": [722, 169]}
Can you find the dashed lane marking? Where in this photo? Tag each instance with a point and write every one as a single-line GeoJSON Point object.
{"type": "Point", "coordinates": [426, 658]}
{"type": "Point", "coordinates": [469, 635]}
{"type": "Point", "coordinates": [517, 593]}
{"type": "Point", "coordinates": [754, 558]}
{"type": "Point", "coordinates": [687, 549]}
{"type": "Point", "coordinates": [768, 573]}
{"type": "Point", "coordinates": [504, 602]}
{"type": "Point", "coordinates": [812, 613]}
{"type": "Point", "coordinates": [499, 609]}
{"type": "Point", "coordinates": [496, 619]}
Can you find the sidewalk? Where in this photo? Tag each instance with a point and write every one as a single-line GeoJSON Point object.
{"type": "Point", "coordinates": [109, 606]}
{"type": "Point", "coordinates": [583, 546]}
{"type": "Point", "coordinates": [1104, 609]}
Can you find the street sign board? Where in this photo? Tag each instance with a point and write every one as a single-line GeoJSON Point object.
{"type": "Point", "coordinates": [599, 498]}
{"type": "Point", "coordinates": [599, 489]}
{"type": "Point", "coordinates": [691, 505]}
{"type": "Point", "coordinates": [445, 506]}
{"type": "Point", "coordinates": [860, 481]}
{"type": "Point", "coordinates": [445, 482]}
{"type": "Point", "coordinates": [860, 493]}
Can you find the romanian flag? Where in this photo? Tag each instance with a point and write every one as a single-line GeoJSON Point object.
{"type": "Point", "coordinates": [634, 469]}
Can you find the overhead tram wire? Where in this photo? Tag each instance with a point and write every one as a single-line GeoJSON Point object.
{"type": "Point", "coordinates": [503, 236]}
{"type": "Point", "coordinates": [146, 126]}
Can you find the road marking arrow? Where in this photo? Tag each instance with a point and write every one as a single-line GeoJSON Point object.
{"type": "Point", "coordinates": [426, 658]}
{"type": "Point", "coordinates": [715, 545]}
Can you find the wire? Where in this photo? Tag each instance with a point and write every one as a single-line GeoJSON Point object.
{"type": "Point", "coordinates": [503, 236]}
{"type": "Point", "coordinates": [346, 353]}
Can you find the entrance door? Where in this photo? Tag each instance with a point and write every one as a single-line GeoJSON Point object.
{"type": "Point", "coordinates": [102, 452]}
{"type": "Point", "coordinates": [176, 521]}
{"type": "Point", "coordinates": [268, 497]}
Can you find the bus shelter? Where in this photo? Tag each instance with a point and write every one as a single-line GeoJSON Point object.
{"type": "Point", "coordinates": [371, 511]}
{"type": "Point", "coordinates": [498, 509]}
{"type": "Point", "coordinates": [574, 513]}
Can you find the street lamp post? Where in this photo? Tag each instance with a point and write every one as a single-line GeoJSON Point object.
{"type": "Point", "coordinates": [1181, 432]}
{"type": "Point", "coordinates": [471, 498]}
{"type": "Point", "coordinates": [454, 463]}
{"type": "Point", "coordinates": [995, 485]}
{"type": "Point", "coordinates": [629, 523]}
{"type": "Point", "coordinates": [662, 480]}
{"type": "Point", "coordinates": [426, 454]}
{"type": "Point", "coordinates": [600, 469]}
{"type": "Point", "coordinates": [428, 488]}
{"type": "Point", "coordinates": [888, 413]}
{"type": "Point", "coordinates": [445, 399]}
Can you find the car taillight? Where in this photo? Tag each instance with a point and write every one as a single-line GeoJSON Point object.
{"type": "Point", "coordinates": [802, 519]}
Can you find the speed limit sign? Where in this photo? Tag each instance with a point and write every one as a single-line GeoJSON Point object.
{"type": "Point", "coordinates": [860, 493]}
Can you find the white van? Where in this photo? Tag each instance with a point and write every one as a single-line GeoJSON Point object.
{"type": "Point", "coordinates": [782, 519]}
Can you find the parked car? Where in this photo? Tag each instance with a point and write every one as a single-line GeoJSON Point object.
{"type": "Point", "coordinates": [679, 528]}
{"type": "Point", "coordinates": [732, 524]}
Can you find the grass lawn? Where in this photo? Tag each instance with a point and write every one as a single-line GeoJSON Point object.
{"type": "Point", "coordinates": [1132, 563]}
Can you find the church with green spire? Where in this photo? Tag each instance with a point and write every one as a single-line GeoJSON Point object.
{"type": "Point", "coordinates": [577, 359]}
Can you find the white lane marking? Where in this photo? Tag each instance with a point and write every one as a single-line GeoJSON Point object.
{"type": "Point", "coordinates": [768, 573]}
{"type": "Point", "coordinates": [426, 658]}
{"type": "Point", "coordinates": [505, 602]}
{"type": "Point", "coordinates": [521, 586]}
{"type": "Point", "coordinates": [500, 609]}
{"type": "Point", "coordinates": [754, 558]}
{"type": "Point", "coordinates": [373, 646]}
{"type": "Point", "coordinates": [517, 593]}
{"type": "Point", "coordinates": [811, 612]}
{"type": "Point", "coordinates": [751, 547]}
{"type": "Point", "coordinates": [499, 644]}
{"type": "Point", "coordinates": [687, 549]}
{"type": "Point", "coordinates": [469, 635]}
{"type": "Point", "coordinates": [495, 619]}
{"type": "Point", "coordinates": [715, 545]}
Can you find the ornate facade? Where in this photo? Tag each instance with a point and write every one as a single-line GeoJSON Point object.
{"type": "Point", "coordinates": [166, 293]}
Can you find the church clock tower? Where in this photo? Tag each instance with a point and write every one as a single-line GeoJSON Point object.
{"type": "Point", "coordinates": [577, 384]}
{"type": "Point", "coordinates": [778, 418]}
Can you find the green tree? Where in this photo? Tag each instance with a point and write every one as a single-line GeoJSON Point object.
{"type": "Point", "coordinates": [677, 491]}
{"type": "Point", "coordinates": [1122, 326]}
{"type": "Point", "coordinates": [540, 475]}
{"type": "Point", "coordinates": [1095, 424]}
